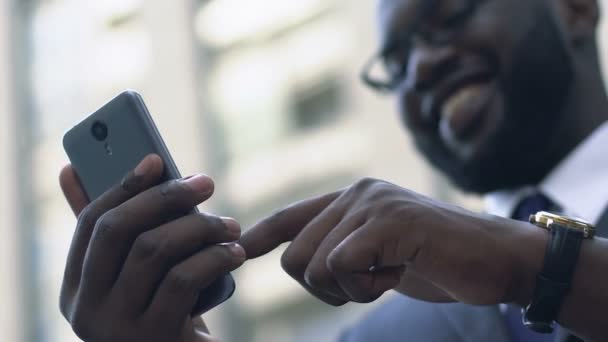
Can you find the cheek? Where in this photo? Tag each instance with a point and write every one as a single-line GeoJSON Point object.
{"type": "Point", "coordinates": [495, 120]}
{"type": "Point", "coordinates": [409, 105]}
{"type": "Point", "coordinates": [494, 35]}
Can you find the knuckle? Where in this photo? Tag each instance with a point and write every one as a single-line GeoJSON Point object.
{"type": "Point", "coordinates": [212, 225]}
{"type": "Point", "coordinates": [64, 309]}
{"type": "Point", "coordinates": [337, 303]}
{"type": "Point", "coordinates": [107, 226]}
{"type": "Point", "coordinates": [152, 245]}
{"type": "Point", "coordinates": [81, 331]}
{"type": "Point", "coordinates": [175, 194]}
{"type": "Point", "coordinates": [131, 184]}
{"type": "Point", "coordinates": [82, 324]}
{"type": "Point", "coordinates": [317, 278]}
{"type": "Point", "coordinates": [181, 281]}
{"type": "Point", "coordinates": [65, 303]}
{"type": "Point", "coordinates": [222, 256]}
{"type": "Point", "coordinates": [393, 209]}
{"type": "Point", "coordinates": [338, 260]}
{"type": "Point", "coordinates": [379, 192]}
{"type": "Point", "coordinates": [87, 217]}
{"type": "Point", "coordinates": [293, 264]}
{"type": "Point", "coordinates": [171, 190]}
{"type": "Point", "coordinates": [365, 183]}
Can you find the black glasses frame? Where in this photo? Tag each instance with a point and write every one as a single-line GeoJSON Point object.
{"type": "Point", "coordinates": [424, 11]}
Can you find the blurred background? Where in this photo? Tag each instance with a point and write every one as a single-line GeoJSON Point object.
{"type": "Point", "coordinates": [263, 95]}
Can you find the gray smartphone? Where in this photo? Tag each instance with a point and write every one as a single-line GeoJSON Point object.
{"type": "Point", "coordinates": [111, 142]}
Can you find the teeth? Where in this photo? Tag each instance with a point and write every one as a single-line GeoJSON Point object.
{"type": "Point", "coordinates": [459, 100]}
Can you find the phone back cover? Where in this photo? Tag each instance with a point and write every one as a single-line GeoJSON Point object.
{"type": "Point", "coordinates": [131, 137]}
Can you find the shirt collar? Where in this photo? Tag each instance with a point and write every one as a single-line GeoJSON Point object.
{"type": "Point", "coordinates": [579, 184]}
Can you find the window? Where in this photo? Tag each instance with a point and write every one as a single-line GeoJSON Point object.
{"type": "Point", "coordinates": [316, 105]}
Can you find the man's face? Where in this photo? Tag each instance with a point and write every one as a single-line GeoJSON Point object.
{"type": "Point", "coordinates": [480, 80]}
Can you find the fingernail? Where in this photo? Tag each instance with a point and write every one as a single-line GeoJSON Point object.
{"type": "Point", "coordinates": [232, 225]}
{"type": "Point", "coordinates": [143, 167]}
{"type": "Point", "coordinates": [199, 183]}
{"type": "Point", "coordinates": [237, 250]}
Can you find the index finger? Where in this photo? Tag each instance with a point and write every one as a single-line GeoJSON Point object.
{"type": "Point", "coordinates": [72, 190]}
{"type": "Point", "coordinates": [284, 225]}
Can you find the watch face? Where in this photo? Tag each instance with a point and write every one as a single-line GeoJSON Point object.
{"type": "Point", "coordinates": [545, 219]}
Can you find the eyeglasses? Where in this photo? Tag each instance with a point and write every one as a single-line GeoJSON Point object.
{"type": "Point", "coordinates": [386, 69]}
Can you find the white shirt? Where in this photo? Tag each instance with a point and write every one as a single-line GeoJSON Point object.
{"type": "Point", "coordinates": [579, 184]}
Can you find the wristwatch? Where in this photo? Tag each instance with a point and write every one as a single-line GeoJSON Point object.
{"type": "Point", "coordinates": [553, 282]}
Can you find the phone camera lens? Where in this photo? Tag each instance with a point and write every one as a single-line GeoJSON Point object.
{"type": "Point", "coordinates": [99, 130]}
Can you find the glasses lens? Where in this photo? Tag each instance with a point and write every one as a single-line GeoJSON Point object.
{"type": "Point", "coordinates": [378, 75]}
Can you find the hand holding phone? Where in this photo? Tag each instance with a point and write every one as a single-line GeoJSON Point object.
{"type": "Point", "coordinates": [131, 275]}
{"type": "Point", "coordinates": [139, 239]}
{"type": "Point", "coordinates": [110, 142]}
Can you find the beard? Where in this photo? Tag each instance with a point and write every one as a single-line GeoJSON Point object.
{"type": "Point", "coordinates": [534, 92]}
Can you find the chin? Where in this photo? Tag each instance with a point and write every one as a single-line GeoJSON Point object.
{"type": "Point", "coordinates": [500, 165]}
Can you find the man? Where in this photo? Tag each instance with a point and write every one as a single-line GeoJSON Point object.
{"type": "Point", "coordinates": [498, 94]}
{"type": "Point", "coordinates": [529, 85]}
{"type": "Point", "coordinates": [500, 105]}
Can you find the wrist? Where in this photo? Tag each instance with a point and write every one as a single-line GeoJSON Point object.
{"type": "Point", "coordinates": [529, 247]}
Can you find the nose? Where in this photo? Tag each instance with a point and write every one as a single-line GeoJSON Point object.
{"type": "Point", "coordinates": [428, 64]}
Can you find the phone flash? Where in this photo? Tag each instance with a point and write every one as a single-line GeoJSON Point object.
{"type": "Point", "coordinates": [108, 149]}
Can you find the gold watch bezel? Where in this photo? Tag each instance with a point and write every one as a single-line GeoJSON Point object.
{"type": "Point", "coordinates": [545, 219]}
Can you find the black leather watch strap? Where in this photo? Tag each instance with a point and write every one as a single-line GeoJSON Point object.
{"type": "Point", "coordinates": [553, 282]}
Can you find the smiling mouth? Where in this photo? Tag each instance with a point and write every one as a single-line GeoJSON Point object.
{"type": "Point", "coordinates": [462, 110]}
{"type": "Point", "coordinates": [462, 113]}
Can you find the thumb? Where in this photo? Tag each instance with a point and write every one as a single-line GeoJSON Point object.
{"type": "Point", "coordinates": [72, 190]}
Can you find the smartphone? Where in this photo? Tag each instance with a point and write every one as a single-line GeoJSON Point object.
{"type": "Point", "coordinates": [112, 141]}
